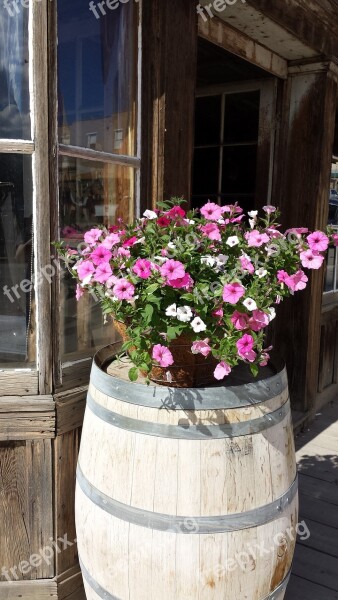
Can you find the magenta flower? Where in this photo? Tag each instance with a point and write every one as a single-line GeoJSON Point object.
{"type": "Point", "coordinates": [201, 347]}
{"type": "Point", "coordinates": [318, 241]}
{"type": "Point", "coordinates": [103, 273]}
{"type": "Point", "coordinates": [175, 212]}
{"type": "Point", "coordinates": [142, 268]}
{"type": "Point", "coordinates": [211, 231]}
{"type": "Point", "coordinates": [123, 289]}
{"type": "Point", "coordinates": [298, 231]}
{"type": "Point", "coordinates": [222, 370]}
{"type": "Point", "coordinates": [335, 239]}
{"type": "Point", "coordinates": [162, 355]}
{"type": "Point", "coordinates": [172, 269]}
{"type": "Point", "coordinates": [218, 314]}
{"type": "Point", "coordinates": [85, 270]}
{"type": "Point", "coordinates": [92, 236]}
{"type": "Point", "coordinates": [183, 282]}
{"type": "Point", "coordinates": [247, 265]}
{"type": "Point", "coordinates": [111, 240]}
{"type": "Point", "coordinates": [259, 320]}
{"type": "Point", "coordinates": [131, 242]}
{"type": "Point", "coordinates": [297, 282]}
{"type": "Point", "coordinates": [163, 222]}
{"type": "Point", "coordinates": [79, 292]}
{"type": "Point", "coordinates": [111, 281]}
{"type": "Point", "coordinates": [311, 260]}
{"type": "Point", "coordinates": [123, 252]}
{"type": "Point", "coordinates": [233, 292]}
{"type": "Point", "coordinates": [211, 211]}
{"type": "Point", "coordinates": [101, 255]}
{"type": "Point", "coordinates": [245, 345]}
{"type": "Point", "coordinates": [256, 239]}
{"type": "Point", "coordinates": [240, 320]}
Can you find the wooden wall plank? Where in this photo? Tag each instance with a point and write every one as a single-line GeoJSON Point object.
{"type": "Point", "coordinates": [29, 590]}
{"type": "Point", "coordinates": [23, 418]}
{"type": "Point", "coordinates": [70, 585]}
{"type": "Point", "coordinates": [168, 98]}
{"type": "Point", "coordinates": [19, 383]}
{"type": "Point", "coordinates": [26, 507]}
{"type": "Point", "coordinates": [70, 407]}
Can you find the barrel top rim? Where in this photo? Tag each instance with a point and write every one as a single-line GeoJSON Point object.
{"type": "Point", "coordinates": [218, 396]}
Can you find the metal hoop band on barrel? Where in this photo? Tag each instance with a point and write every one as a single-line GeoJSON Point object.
{"type": "Point", "coordinates": [210, 398]}
{"type": "Point", "coordinates": [188, 524]}
{"type": "Point", "coordinates": [102, 593]}
{"type": "Point", "coordinates": [185, 431]}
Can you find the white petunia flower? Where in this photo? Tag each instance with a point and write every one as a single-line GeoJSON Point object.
{"type": "Point", "coordinates": [198, 325]}
{"type": "Point", "coordinates": [221, 260]}
{"type": "Point", "coordinates": [161, 259]}
{"type": "Point", "coordinates": [208, 260]}
{"type": "Point", "coordinates": [232, 241]}
{"type": "Point", "coordinates": [150, 214]}
{"type": "Point", "coordinates": [250, 304]}
{"type": "Point", "coordinates": [171, 311]}
{"type": "Point", "coordinates": [261, 272]}
{"type": "Point", "coordinates": [253, 214]}
{"type": "Point", "coordinates": [272, 314]}
{"type": "Point", "coordinates": [172, 246]}
{"type": "Point", "coordinates": [252, 223]}
{"type": "Point", "coordinates": [184, 314]}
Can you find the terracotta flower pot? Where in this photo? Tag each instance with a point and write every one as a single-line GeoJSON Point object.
{"type": "Point", "coordinates": [188, 370]}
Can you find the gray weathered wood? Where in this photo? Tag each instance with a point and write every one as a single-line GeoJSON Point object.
{"type": "Point", "coordinates": [16, 146]}
{"type": "Point", "coordinates": [44, 589]}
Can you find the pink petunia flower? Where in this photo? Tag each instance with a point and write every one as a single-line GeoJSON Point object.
{"type": "Point", "coordinates": [123, 289]}
{"type": "Point", "coordinates": [123, 252]}
{"type": "Point", "coordinates": [111, 240]}
{"type": "Point", "coordinates": [256, 239]}
{"type": "Point", "coordinates": [163, 222]}
{"type": "Point", "coordinates": [162, 355]}
{"type": "Point", "coordinates": [218, 313]}
{"type": "Point", "coordinates": [103, 272]}
{"type": "Point", "coordinates": [233, 292]}
{"type": "Point", "coordinates": [201, 347]}
{"type": "Point", "coordinates": [222, 370]}
{"type": "Point", "coordinates": [142, 268]}
{"type": "Point", "coordinates": [247, 265]}
{"type": "Point", "coordinates": [85, 270]}
{"type": "Point", "coordinates": [318, 241]}
{"type": "Point", "coordinates": [240, 320]}
{"type": "Point", "coordinates": [269, 209]}
{"type": "Point", "coordinates": [297, 282]}
{"type": "Point", "coordinates": [79, 292]}
{"type": "Point", "coordinates": [182, 282]}
{"type": "Point", "coordinates": [282, 276]}
{"type": "Point", "coordinates": [335, 239]}
{"type": "Point", "coordinates": [245, 345]}
{"type": "Point", "coordinates": [172, 269]}
{"type": "Point", "coordinates": [311, 260]}
{"type": "Point", "coordinates": [298, 231]}
{"type": "Point", "coordinates": [259, 320]}
{"type": "Point", "coordinates": [211, 211]}
{"type": "Point", "coordinates": [130, 242]}
{"type": "Point", "coordinates": [211, 231]}
{"type": "Point", "coordinates": [101, 255]}
{"type": "Point", "coordinates": [111, 281]}
{"type": "Point", "coordinates": [92, 236]}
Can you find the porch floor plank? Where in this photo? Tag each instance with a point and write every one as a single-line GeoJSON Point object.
{"type": "Point", "coordinates": [315, 568]}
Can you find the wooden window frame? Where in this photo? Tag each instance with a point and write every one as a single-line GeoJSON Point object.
{"type": "Point", "coordinates": [71, 374]}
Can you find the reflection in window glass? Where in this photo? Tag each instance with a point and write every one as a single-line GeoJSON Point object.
{"type": "Point", "coordinates": [17, 306]}
{"type": "Point", "coordinates": [97, 64]}
{"type": "Point", "coordinates": [14, 84]}
{"type": "Point", "coordinates": [241, 117]}
{"type": "Point", "coordinates": [91, 193]}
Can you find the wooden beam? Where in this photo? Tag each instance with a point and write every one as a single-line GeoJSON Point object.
{"type": "Point", "coordinates": [44, 589]}
{"type": "Point", "coordinates": [169, 55]}
{"type": "Point", "coordinates": [70, 407]}
{"type": "Point", "coordinates": [98, 156]}
{"type": "Point", "coordinates": [18, 382]}
{"type": "Point", "coordinates": [27, 418]}
{"type": "Point", "coordinates": [16, 146]}
{"type": "Point", "coordinates": [225, 36]}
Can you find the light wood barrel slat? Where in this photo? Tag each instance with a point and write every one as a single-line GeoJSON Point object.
{"type": "Point", "coordinates": [183, 499]}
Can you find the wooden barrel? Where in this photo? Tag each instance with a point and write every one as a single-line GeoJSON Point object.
{"type": "Point", "coordinates": [186, 494]}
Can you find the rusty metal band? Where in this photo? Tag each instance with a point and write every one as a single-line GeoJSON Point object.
{"type": "Point", "coordinates": [217, 397]}
{"type": "Point", "coordinates": [105, 595]}
{"type": "Point", "coordinates": [186, 431]}
{"type": "Point", "coordinates": [187, 525]}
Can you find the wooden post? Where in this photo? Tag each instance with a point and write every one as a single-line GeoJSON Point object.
{"type": "Point", "coordinates": [302, 192]}
{"type": "Point", "coordinates": [169, 54]}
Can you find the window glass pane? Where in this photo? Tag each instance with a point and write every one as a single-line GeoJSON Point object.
{"type": "Point", "coordinates": [239, 170]}
{"type": "Point", "coordinates": [91, 193]}
{"type": "Point", "coordinates": [205, 171]}
{"type": "Point", "coordinates": [208, 120]}
{"type": "Point", "coordinates": [97, 66]}
{"type": "Point", "coordinates": [17, 307]}
{"type": "Point", "coordinates": [330, 270]}
{"type": "Point", "coordinates": [14, 86]}
{"type": "Point", "coordinates": [241, 117]}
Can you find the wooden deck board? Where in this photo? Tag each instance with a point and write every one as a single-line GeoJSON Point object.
{"type": "Point", "coordinates": [315, 568]}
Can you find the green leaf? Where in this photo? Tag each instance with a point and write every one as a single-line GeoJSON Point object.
{"type": "Point", "coordinates": [254, 369]}
{"type": "Point", "coordinates": [148, 313]}
{"type": "Point", "coordinates": [133, 374]}
{"type": "Point", "coordinates": [152, 288]}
